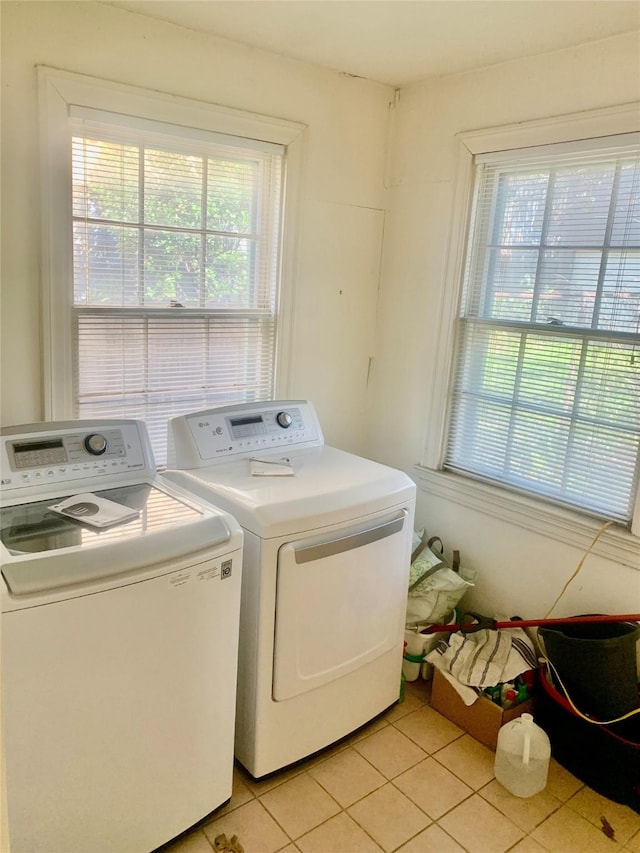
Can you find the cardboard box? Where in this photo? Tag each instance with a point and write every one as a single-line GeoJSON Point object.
{"type": "Point", "coordinates": [482, 720]}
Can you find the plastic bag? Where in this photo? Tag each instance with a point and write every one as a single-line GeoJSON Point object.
{"type": "Point", "coordinates": [434, 590]}
{"type": "Point", "coordinates": [434, 598]}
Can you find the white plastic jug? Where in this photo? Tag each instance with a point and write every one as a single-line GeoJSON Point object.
{"type": "Point", "coordinates": [522, 757]}
{"type": "Point", "coordinates": [413, 653]}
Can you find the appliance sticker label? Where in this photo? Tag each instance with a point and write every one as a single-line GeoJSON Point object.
{"type": "Point", "coordinates": [179, 578]}
{"type": "Point", "coordinates": [209, 573]}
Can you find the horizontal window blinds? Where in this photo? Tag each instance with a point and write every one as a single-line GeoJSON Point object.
{"type": "Point", "coordinates": [176, 258]}
{"type": "Point", "coordinates": [546, 394]}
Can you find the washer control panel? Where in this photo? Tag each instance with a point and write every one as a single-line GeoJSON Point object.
{"type": "Point", "coordinates": [242, 430]}
{"type": "Point", "coordinates": [35, 454]}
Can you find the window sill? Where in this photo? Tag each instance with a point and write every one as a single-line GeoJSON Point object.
{"type": "Point", "coordinates": [571, 528]}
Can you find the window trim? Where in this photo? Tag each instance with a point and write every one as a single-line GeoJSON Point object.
{"type": "Point", "coordinates": [558, 523]}
{"type": "Point", "coordinates": [59, 92]}
{"type": "Point", "coordinates": [593, 124]}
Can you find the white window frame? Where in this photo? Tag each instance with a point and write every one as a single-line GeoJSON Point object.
{"type": "Point", "coordinates": [565, 525]}
{"type": "Point", "coordinates": [59, 92]}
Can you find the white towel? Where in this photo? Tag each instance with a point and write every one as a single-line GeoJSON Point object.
{"type": "Point", "coordinates": [478, 659]}
{"type": "Point", "coordinates": [485, 658]}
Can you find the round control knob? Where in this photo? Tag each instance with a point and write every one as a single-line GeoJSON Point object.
{"type": "Point", "coordinates": [284, 419]}
{"type": "Point", "coordinates": [96, 444]}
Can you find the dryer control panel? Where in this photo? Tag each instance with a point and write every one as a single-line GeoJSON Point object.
{"type": "Point", "coordinates": [242, 430]}
{"type": "Point", "coordinates": [34, 455]}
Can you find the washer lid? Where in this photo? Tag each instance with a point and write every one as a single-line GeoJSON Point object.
{"type": "Point", "coordinates": [328, 486]}
{"type": "Point", "coordinates": [44, 550]}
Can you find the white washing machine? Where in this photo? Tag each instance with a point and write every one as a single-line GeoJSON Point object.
{"type": "Point", "coordinates": [119, 643]}
{"type": "Point", "coordinates": [326, 559]}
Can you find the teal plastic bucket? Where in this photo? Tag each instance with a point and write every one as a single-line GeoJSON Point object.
{"type": "Point", "coordinates": [597, 664]}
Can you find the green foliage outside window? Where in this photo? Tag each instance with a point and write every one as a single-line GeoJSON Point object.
{"type": "Point", "coordinates": [164, 228]}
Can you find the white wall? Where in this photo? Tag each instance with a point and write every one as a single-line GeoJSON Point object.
{"type": "Point", "coordinates": [341, 228]}
{"type": "Point", "coordinates": [341, 214]}
{"type": "Point", "coordinates": [520, 571]}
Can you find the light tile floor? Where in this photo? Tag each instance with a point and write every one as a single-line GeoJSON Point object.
{"type": "Point", "coordinates": [412, 782]}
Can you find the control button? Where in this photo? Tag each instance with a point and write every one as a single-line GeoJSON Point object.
{"type": "Point", "coordinates": [96, 444]}
{"type": "Point", "coordinates": [284, 419]}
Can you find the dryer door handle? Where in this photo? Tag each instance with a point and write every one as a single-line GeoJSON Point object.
{"type": "Point", "coordinates": [306, 553]}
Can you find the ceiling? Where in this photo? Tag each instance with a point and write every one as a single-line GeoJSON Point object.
{"type": "Point", "coordinates": [400, 41]}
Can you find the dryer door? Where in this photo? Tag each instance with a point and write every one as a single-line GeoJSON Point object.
{"type": "Point", "coordinates": [340, 602]}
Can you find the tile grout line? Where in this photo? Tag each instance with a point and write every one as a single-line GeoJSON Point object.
{"type": "Point", "coordinates": [350, 742]}
{"type": "Point", "coordinates": [293, 840]}
{"type": "Point", "coordinates": [344, 810]}
{"type": "Point", "coordinates": [388, 781]}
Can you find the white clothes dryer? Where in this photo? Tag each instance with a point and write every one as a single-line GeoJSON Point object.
{"type": "Point", "coordinates": [327, 544]}
{"type": "Point", "coordinates": [119, 643]}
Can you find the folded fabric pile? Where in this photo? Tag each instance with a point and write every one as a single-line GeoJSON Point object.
{"type": "Point", "coordinates": [483, 659]}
